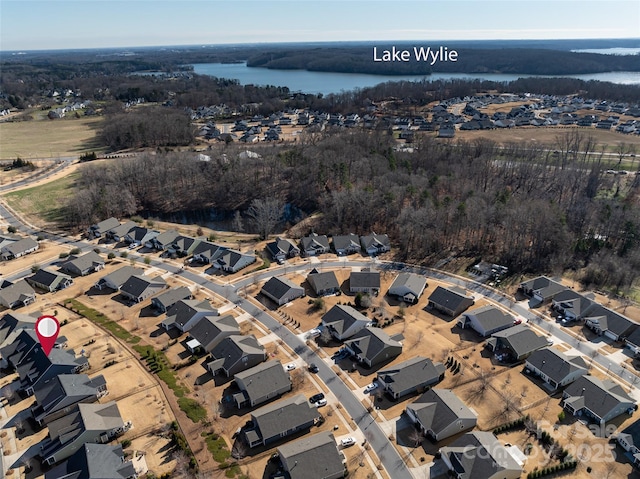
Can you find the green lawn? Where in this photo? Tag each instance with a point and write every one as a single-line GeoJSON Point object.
{"type": "Point", "coordinates": [46, 201]}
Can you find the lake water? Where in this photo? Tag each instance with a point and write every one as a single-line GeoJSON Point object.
{"type": "Point", "coordinates": [328, 82]}
{"type": "Point", "coordinates": [611, 51]}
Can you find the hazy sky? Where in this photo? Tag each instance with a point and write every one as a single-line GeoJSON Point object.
{"type": "Point", "coordinates": [55, 24]}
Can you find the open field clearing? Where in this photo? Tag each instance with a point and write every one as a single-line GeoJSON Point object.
{"type": "Point", "coordinates": [49, 138]}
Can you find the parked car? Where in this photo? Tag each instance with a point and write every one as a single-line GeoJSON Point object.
{"type": "Point", "coordinates": [134, 245]}
{"type": "Point", "coordinates": [313, 333]}
{"type": "Point", "coordinates": [370, 387]}
{"type": "Point", "coordinates": [321, 402]}
{"type": "Point", "coordinates": [290, 367]}
{"type": "Point", "coordinates": [313, 368]}
{"type": "Point", "coordinates": [347, 441]}
{"type": "Point", "coordinates": [316, 397]}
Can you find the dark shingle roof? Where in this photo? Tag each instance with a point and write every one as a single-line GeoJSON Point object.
{"type": "Point", "coordinates": [182, 311]}
{"type": "Point", "coordinates": [555, 364]}
{"type": "Point", "coordinates": [264, 378]}
{"type": "Point", "coordinates": [323, 281]}
{"type": "Point", "coordinates": [121, 275]}
{"type": "Point", "coordinates": [278, 286]}
{"type": "Point", "coordinates": [209, 327]}
{"type": "Point", "coordinates": [521, 339]}
{"type": "Point", "coordinates": [171, 297]}
{"type": "Point", "coordinates": [491, 318]}
{"type": "Point", "coordinates": [370, 343]}
{"type": "Point", "coordinates": [600, 397]}
{"type": "Point", "coordinates": [48, 278]}
{"type": "Point", "coordinates": [572, 301]}
{"type": "Point", "coordinates": [136, 285]}
{"type": "Point", "coordinates": [341, 317]}
{"type": "Point", "coordinates": [364, 279]}
{"type": "Point", "coordinates": [18, 291]}
{"type": "Point", "coordinates": [610, 320]}
{"type": "Point", "coordinates": [312, 457]}
{"type": "Point", "coordinates": [94, 461]}
{"type": "Point", "coordinates": [82, 263]}
{"type": "Point", "coordinates": [414, 371]}
{"type": "Point", "coordinates": [437, 409]}
{"type": "Point", "coordinates": [543, 286]}
{"type": "Point", "coordinates": [284, 415]}
{"type": "Point", "coordinates": [451, 298]}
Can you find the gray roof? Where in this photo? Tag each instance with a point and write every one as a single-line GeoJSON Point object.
{"type": "Point", "coordinates": [14, 292]}
{"type": "Point", "coordinates": [278, 286]}
{"type": "Point", "coordinates": [136, 285]}
{"type": "Point", "coordinates": [121, 275]}
{"type": "Point", "coordinates": [232, 348]}
{"type": "Point", "coordinates": [87, 417]}
{"type": "Point", "coordinates": [67, 389]}
{"type": "Point", "coordinates": [166, 238]}
{"type": "Point", "coordinates": [415, 283]}
{"type": "Point", "coordinates": [323, 281]}
{"type": "Point", "coordinates": [209, 327]}
{"type": "Point", "coordinates": [491, 318]}
{"type": "Point", "coordinates": [105, 225]}
{"type": "Point", "coordinates": [343, 242]}
{"type": "Point", "coordinates": [82, 263]}
{"type": "Point", "coordinates": [285, 415]}
{"type": "Point", "coordinates": [408, 374]}
{"type": "Point", "coordinates": [282, 245]}
{"type": "Point", "coordinates": [365, 279]}
{"type": "Point", "coordinates": [555, 364]}
{"type": "Point", "coordinates": [371, 343]}
{"type": "Point", "coordinates": [479, 454]}
{"type": "Point", "coordinates": [47, 277]}
{"type": "Point", "coordinates": [521, 339]}
{"type": "Point", "coordinates": [230, 258]}
{"type": "Point", "coordinates": [610, 320]}
{"type": "Point", "coordinates": [313, 456]}
{"type": "Point", "coordinates": [572, 301]}
{"type": "Point", "coordinates": [11, 322]}
{"type": "Point", "coordinates": [600, 397]}
{"type": "Point", "coordinates": [375, 240]}
{"type": "Point", "coordinates": [171, 297]}
{"type": "Point", "coordinates": [315, 242]}
{"type": "Point", "coordinates": [21, 245]}
{"type": "Point", "coordinates": [36, 363]}
{"type": "Point", "coordinates": [264, 378]}
{"type": "Point", "coordinates": [94, 461]}
{"type": "Point", "coordinates": [182, 311]}
{"type": "Point", "coordinates": [123, 229]}
{"type": "Point", "coordinates": [209, 250]}
{"type": "Point", "coordinates": [184, 243]}
{"type": "Point", "coordinates": [451, 298]}
{"type": "Point", "coordinates": [340, 317]}
{"type": "Point", "coordinates": [543, 286]}
{"type": "Point", "coordinates": [437, 409]}
{"type": "Point", "coordinates": [142, 234]}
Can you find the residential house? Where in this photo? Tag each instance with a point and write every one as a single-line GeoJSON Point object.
{"type": "Point", "coordinates": [570, 304]}
{"type": "Point", "coordinates": [450, 300]}
{"type": "Point", "coordinates": [345, 245]}
{"type": "Point", "coordinates": [89, 423]}
{"type": "Point", "coordinates": [629, 440]}
{"type": "Point", "coordinates": [15, 295]}
{"type": "Point", "coordinates": [408, 287]}
{"type": "Point", "coordinates": [83, 265]}
{"type": "Point", "coordinates": [410, 376]}
{"type": "Point", "coordinates": [164, 301]}
{"type": "Point", "coordinates": [278, 420]}
{"type": "Point", "coordinates": [375, 244]}
{"type": "Point", "coordinates": [323, 284]}
{"type": "Point", "coordinates": [282, 248]}
{"type": "Point", "coordinates": [313, 456]}
{"type": "Point", "coordinates": [119, 233]}
{"type": "Point", "coordinates": [554, 367]}
{"type": "Point", "coordinates": [541, 289]}
{"type": "Point", "coordinates": [632, 341]}
{"type": "Point", "coordinates": [365, 281]}
{"type": "Point", "coordinates": [183, 246]}
{"type": "Point", "coordinates": [235, 354]}
{"type": "Point", "coordinates": [100, 229]}
{"type": "Point", "coordinates": [186, 313]}
{"type": "Point", "coordinates": [261, 383]}
{"type": "Point", "coordinates": [232, 261]}
{"type": "Point", "coordinates": [37, 367]}
{"type": "Point", "coordinates": [486, 320]}
{"type": "Point", "coordinates": [516, 343]}
{"type": "Point", "coordinates": [163, 241]}
{"type": "Point", "coordinates": [51, 281]}
{"type": "Point", "coordinates": [372, 346]}
{"type": "Point", "coordinates": [60, 395]}
{"type": "Point", "coordinates": [15, 249]}
{"type": "Point", "coordinates": [210, 330]}
{"type": "Point", "coordinates": [140, 235]}
{"type": "Point", "coordinates": [117, 278]}
{"type": "Point", "coordinates": [343, 321]}
{"type": "Point", "coordinates": [314, 245]}
{"type": "Point", "coordinates": [140, 287]}
{"type": "Point", "coordinates": [479, 454]}
{"type": "Point", "coordinates": [596, 399]}
{"type": "Point", "coordinates": [207, 253]}
{"type": "Point", "coordinates": [606, 321]}
{"type": "Point", "coordinates": [280, 290]}
{"type": "Point", "coordinates": [14, 352]}
{"type": "Point", "coordinates": [11, 325]}
{"type": "Point", "coordinates": [440, 414]}
{"type": "Point", "coordinates": [95, 461]}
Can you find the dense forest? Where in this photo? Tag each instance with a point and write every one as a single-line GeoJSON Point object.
{"type": "Point", "coordinates": [530, 208]}
{"type": "Point", "coordinates": [469, 60]}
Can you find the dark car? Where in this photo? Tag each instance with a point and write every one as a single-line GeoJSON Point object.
{"type": "Point", "coordinates": [313, 368]}
{"type": "Point", "coordinates": [316, 397]}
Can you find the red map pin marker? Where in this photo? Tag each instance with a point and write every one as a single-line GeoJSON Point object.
{"type": "Point", "coordinates": [47, 329]}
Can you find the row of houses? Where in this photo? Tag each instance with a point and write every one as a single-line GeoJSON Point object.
{"type": "Point", "coordinates": [313, 245]}
{"type": "Point", "coordinates": [66, 399]}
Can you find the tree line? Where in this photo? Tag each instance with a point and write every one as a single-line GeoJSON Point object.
{"type": "Point", "coordinates": [531, 208]}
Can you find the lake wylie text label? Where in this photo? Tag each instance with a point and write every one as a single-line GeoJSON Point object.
{"type": "Point", "coordinates": [418, 54]}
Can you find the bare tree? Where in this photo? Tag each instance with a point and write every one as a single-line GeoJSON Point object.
{"type": "Point", "coordinates": [265, 215]}
{"type": "Point", "coordinates": [239, 449]}
{"type": "Point", "coordinates": [237, 224]}
{"type": "Point", "coordinates": [181, 470]}
{"type": "Point", "coordinates": [416, 437]}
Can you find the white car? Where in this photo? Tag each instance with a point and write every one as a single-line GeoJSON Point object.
{"type": "Point", "coordinates": [134, 245]}
{"type": "Point", "coordinates": [347, 441]}
{"type": "Point", "coordinates": [312, 333]}
{"type": "Point", "coordinates": [321, 402]}
{"type": "Point", "coordinates": [290, 366]}
{"type": "Point", "coordinates": [370, 387]}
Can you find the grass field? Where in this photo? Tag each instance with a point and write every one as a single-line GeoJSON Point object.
{"type": "Point", "coordinates": [49, 138]}
{"type": "Point", "coordinates": [45, 202]}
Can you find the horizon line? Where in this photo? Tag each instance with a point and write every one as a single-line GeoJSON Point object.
{"type": "Point", "coordinates": [317, 42]}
